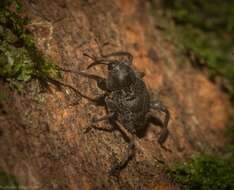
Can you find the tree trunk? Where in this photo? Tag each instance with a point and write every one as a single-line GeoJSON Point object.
{"type": "Point", "coordinates": [42, 138]}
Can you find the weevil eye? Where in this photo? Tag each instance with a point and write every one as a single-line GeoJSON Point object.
{"type": "Point", "coordinates": [125, 62]}
{"type": "Point", "coordinates": [110, 66]}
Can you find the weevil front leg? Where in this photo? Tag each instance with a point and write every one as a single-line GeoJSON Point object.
{"type": "Point", "coordinates": [106, 117]}
{"type": "Point", "coordinates": [157, 105]}
{"type": "Point", "coordinates": [119, 54]}
{"type": "Point", "coordinates": [97, 120]}
{"type": "Point", "coordinates": [101, 82]}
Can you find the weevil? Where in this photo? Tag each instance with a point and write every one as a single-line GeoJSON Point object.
{"type": "Point", "coordinates": [126, 99]}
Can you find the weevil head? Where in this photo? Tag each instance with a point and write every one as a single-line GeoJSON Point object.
{"type": "Point", "coordinates": [120, 75]}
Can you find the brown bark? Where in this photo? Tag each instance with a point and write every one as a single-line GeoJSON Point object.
{"type": "Point", "coordinates": [42, 140]}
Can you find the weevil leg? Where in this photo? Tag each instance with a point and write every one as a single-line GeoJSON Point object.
{"type": "Point", "coordinates": [120, 53]}
{"type": "Point", "coordinates": [106, 117]}
{"type": "Point", "coordinates": [101, 82]}
{"type": "Point", "coordinates": [164, 133]}
{"type": "Point", "coordinates": [106, 60]}
{"type": "Point", "coordinates": [97, 120]}
{"type": "Point", "coordinates": [59, 83]}
{"type": "Point", "coordinates": [157, 105]}
{"type": "Point", "coordinates": [98, 61]}
{"type": "Point", "coordinates": [100, 100]}
{"type": "Point", "coordinates": [127, 157]}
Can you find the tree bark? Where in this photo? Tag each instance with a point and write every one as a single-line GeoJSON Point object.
{"type": "Point", "coordinates": [42, 138]}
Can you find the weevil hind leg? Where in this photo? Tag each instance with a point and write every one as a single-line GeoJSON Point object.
{"type": "Point", "coordinates": [116, 168]}
{"type": "Point", "coordinates": [157, 105]}
{"type": "Point", "coordinates": [128, 155]}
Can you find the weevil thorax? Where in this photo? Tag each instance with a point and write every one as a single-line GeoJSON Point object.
{"type": "Point", "coordinates": [120, 75]}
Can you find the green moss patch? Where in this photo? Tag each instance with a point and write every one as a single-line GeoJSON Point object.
{"type": "Point", "coordinates": [208, 171]}
{"type": "Point", "coordinates": [205, 172]}
{"type": "Point", "coordinates": [204, 31]}
{"type": "Point", "coordinates": [8, 182]}
{"type": "Point", "coordinates": [20, 60]}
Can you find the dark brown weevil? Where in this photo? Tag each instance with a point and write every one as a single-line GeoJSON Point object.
{"type": "Point", "coordinates": [126, 99]}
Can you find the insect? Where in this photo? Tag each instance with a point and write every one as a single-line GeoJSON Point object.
{"type": "Point", "coordinates": [126, 99]}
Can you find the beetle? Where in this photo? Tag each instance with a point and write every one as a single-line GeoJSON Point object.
{"type": "Point", "coordinates": [126, 99]}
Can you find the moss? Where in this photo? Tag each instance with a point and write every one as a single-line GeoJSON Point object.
{"type": "Point", "coordinates": [205, 30]}
{"type": "Point", "coordinates": [8, 181]}
{"type": "Point", "coordinates": [20, 60]}
{"type": "Point", "coordinates": [205, 172]}
{"type": "Point", "coordinates": [208, 171]}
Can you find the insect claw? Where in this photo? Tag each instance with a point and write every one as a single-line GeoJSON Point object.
{"type": "Point", "coordinates": [114, 171]}
{"type": "Point", "coordinates": [165, 148]}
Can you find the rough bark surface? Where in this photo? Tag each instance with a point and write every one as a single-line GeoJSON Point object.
{"type": "Point", "coordinates": [42, 141]}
